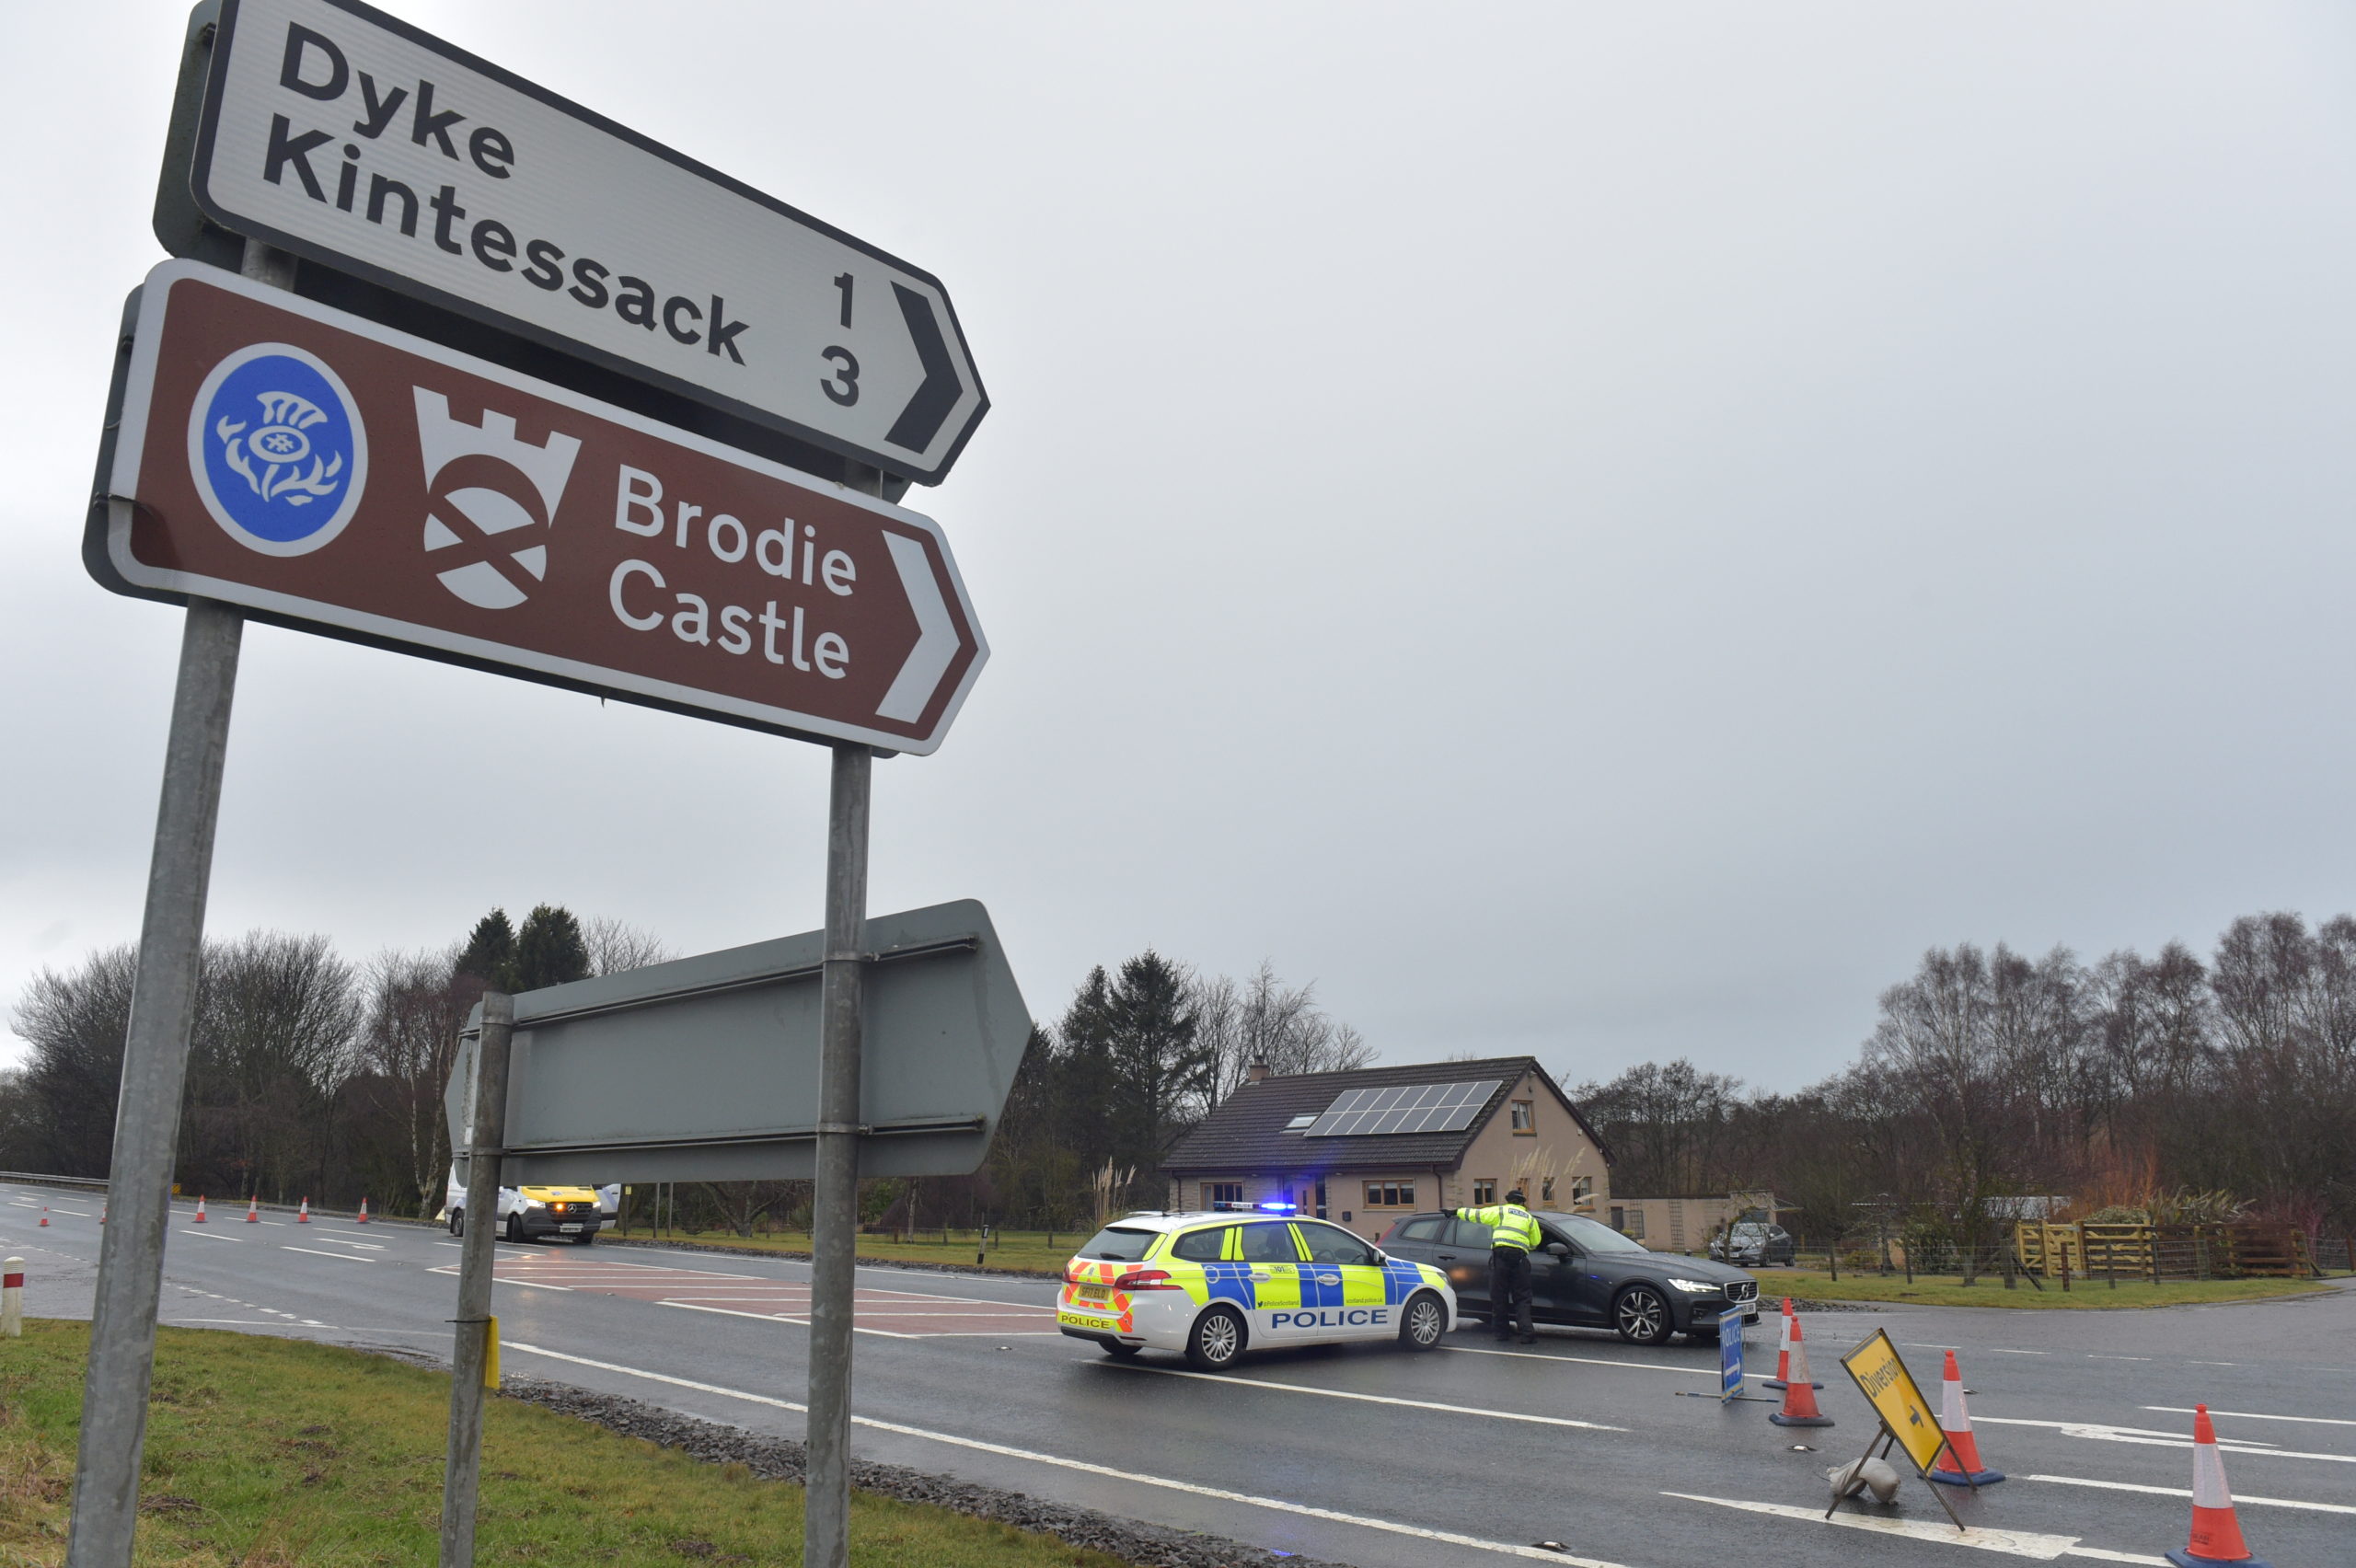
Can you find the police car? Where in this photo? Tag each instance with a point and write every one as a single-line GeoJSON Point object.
{"type": "Point", "coordinates": [1212, 1284]}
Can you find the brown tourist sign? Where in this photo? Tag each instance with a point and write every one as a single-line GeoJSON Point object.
{"type": "Point", "coordinates": [321, 471]}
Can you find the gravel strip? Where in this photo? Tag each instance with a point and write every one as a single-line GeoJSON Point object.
{"type": "Point", "coordinates": [779, 1459]}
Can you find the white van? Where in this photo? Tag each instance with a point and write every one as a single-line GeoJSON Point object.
{"type": "Point", "coordinates": [526, 1214]}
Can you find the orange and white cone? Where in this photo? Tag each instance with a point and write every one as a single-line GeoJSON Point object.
{"type": "Point", "coordinates": [1782, 1378]}
{"type": "Point", "coordinates": [1800, 1394]}
{"type": "Point", "coordinates": [253, 1209]}
{"type": "Point", "coordinates": [44, 1215]}
{"type": "Point", "coordinates": [200, 1209]}
{"type": "Point", "coordinates": [1959, 1462]}
{"type": "Point", "coordinates": [303, 1215]}
{"type": "Point", "coordinates": [2216, 1533]}
{"type": "Point", "coordinates": [364, 1213]}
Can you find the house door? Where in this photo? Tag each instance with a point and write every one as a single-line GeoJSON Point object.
{"type": "Point", "coordinates": [1320, 1198]}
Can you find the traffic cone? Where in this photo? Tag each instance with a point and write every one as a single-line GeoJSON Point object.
{"type": "Point", "coordinates": [364, 1213]}
{"type": "Point", "coordinates": [44, 1215]}
{"type": "Point", "coordinates": [1800, 1394]}
{"type": "Point", "coordinates": [200, 1209]}
{"type": "Point", "coordinates": [253, 1209]}
{"type": "Point", "coordinates": [303, 1215]}
{"type": "Point", "coordinates": [2216, 1533]}
{"type": "Point", "coordinates": [1782, 1378]}
{"type": "Point", "coordinates": [102, 1211]}
{"type": "Point", "coordinates": [1959, 1461]}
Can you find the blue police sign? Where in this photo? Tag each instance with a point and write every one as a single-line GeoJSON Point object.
{"type": "Point", "coordinates": [277, 449]}
{"type": "Point", "coordinates": [1729, 1354]}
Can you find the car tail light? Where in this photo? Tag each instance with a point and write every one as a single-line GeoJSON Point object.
{"type": "Point", "coordinates": [1146, 1279]}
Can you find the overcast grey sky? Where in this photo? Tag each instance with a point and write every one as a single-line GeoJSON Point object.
{"type": "Point", "coordinates": [1594, 530]}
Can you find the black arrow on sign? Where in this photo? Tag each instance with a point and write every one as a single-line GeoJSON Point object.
{"type": "Point", "coordinates": [921, 420]}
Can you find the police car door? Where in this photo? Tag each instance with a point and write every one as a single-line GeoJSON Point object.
{"type": "Point", "coordinates": [1274, 1260]}
{"type": "Point", "coordinates": [1348, 1289]}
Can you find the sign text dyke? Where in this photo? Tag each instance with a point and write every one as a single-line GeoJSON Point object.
{"type": "Point", "coordinates": [348, 138]}
{"type": "Point", "coordinates": [330, 166]}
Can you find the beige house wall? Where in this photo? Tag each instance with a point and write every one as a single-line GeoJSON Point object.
{"type": "Point", "coordinates": [1554, 1146]}
{"type": "Point", "coordinates": [1680, 1225]}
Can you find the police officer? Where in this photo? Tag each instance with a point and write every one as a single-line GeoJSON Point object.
{"type": "Point", "coordinates": [1513, 1235]}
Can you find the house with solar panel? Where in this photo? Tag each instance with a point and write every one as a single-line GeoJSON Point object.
{"type": "Point", "coordinates": [1363, 1148]}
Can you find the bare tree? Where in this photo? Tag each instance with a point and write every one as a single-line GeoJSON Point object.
{"type": "Point", "coordinates": [1263, 1020]}
{"type": "Point", "coordinates": [616, 945]}
{"type": "Point", "coordinates": [74, 1023]}
{"type": "Point", "coordinates": [416, 1003]}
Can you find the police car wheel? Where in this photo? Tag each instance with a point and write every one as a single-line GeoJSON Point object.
{"type": "Point", "coordinates": [1115, 1348]}
{"type": "Point", "coordinates": [1424, 1324]}
{"type": "Point", "coordinates": [1216, 1341]}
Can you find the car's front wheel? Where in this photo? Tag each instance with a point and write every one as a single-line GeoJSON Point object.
{"type": "Point", "coordinates": [1216, 1340]}
{"type": "Point", "coordinates": [515, 1229]}
{"type": "Point", "coordinates": [1641, 1314]}
{"type": "Point", "coordinates": [458, 1222]}
{"type": "Point", "coordinates": [1424, 1322]}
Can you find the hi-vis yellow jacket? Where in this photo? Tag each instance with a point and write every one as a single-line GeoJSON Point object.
{"type": "Point", "coordinates": [1510, 1224]}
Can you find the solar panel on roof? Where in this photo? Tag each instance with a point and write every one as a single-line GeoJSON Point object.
{"type": "Point", "coordinates": [1408, 1108]}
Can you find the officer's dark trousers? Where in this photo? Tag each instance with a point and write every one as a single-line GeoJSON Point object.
{"type": "Point", "coordinates": [1509, 1291]}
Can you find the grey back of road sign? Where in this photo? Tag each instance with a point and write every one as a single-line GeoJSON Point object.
{"type": "Point", "coordinates": [707, 1069]}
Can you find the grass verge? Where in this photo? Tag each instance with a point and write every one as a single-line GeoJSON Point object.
{"type": "Point", "coordinates": [2082, 1295]}
{"type": "Point", "coordinates": [270, 1453]}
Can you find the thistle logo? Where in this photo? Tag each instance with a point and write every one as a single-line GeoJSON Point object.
{"type": "Point", "coordinates": [503, 550]}
{"type": "Point", "coordinates": [277, 449]}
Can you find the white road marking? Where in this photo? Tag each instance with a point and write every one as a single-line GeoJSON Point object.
{"type": "Point", "coordinates": [369, 1246]}
{"type": "Point", "coordinates": [2018, 1544]}
{"type": "Point", "coordinates": [2239, 1497]}
{"type": "Point", "coordinates": [2253, 1415]}
{"type": "Point", "coordinates": [2093, 1355]}
{"type": "Point", "coordinates": [2250, 1446]}
{"type": "Point", "coordinates": [208, 1234]}
{"type": "Point", "coordinates": [1164, 1482]}
{"type": "Point", "coordinates": [1228, 1382]}
{"type": "Point", "coordinates": [347, 1257]}
{"type": "Point", "coordinates": [2000, 1350]}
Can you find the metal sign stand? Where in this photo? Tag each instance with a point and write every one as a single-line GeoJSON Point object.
{"type": "Point", "coordinates": [155, 1068]}
{"type": "Point", "coordinates": [470, 1345]}
{"type": "Point", "coordinates": [1889, 1440]}
{"type": "Point", "coordinates": [834, 1214]}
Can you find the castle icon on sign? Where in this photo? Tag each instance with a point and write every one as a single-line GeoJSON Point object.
{"type": "Point", "coordinates": [494, 535]}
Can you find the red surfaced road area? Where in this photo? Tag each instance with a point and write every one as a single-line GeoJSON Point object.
{"type": "Point", "coordinates": [913, 1314]}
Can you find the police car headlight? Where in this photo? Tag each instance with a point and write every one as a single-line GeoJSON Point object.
{"type": "Point", "coordinates": [1694, 1286]}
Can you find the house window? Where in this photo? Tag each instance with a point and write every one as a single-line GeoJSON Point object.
{"type": "Point", "coordinates": [1582, 1190]}
{"type": "Point", "coordinates": [1217, 1192]}
{"type": "Point", "coordinates": [1546, 1190]}
{"type": "Point", "coordinates": [1619, 1218]}
{"type": "Point", "coordinates": [1390, 1195]}
{"type": "Point", "coordinates": [1484, 1191]}
{"type": "Point", "coordinates": [1525, 1117]}
{"type": "Point", "coordinates": [1635, 1230]}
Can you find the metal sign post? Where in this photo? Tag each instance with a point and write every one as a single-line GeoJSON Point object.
{"type": "Point", "coordinates": [154, 1066]}
{"type": "Point", "coordinates": [470, 1340]}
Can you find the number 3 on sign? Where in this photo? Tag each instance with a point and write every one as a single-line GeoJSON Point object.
{"type": "Point", "coordinates": [843, 386]}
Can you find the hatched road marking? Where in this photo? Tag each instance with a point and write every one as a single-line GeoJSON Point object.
{"type": "Point", "coordinates": [2017, 1543]}
{"type": "Point", "coordinates": [1164, 1482]}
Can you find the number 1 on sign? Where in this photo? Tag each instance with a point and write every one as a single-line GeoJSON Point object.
{"type": "Point", "coordinates": [842, 281]}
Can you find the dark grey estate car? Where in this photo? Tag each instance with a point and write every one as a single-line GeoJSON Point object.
{"type": "Point", "coordinates": [1585, 1274]}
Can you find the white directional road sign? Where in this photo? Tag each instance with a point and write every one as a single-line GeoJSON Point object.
{"type": "Point", "coordinates": [347, 136]}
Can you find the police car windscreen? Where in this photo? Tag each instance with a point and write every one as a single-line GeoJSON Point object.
{"type": "Point", "coordinates": [1118, 1246]}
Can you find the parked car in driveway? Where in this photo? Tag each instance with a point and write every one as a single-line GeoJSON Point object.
{"type": "Point", "coordinates": [1755, 1246]}
{"type": "Point", "coordinates": [1586, 1274]}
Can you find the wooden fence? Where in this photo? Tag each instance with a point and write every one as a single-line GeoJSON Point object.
{"type": "Point", "coordinates": [2162, 1251]}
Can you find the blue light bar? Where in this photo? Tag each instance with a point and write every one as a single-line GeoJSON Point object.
{"type": "Point", "coordinates": [1281, 1208]}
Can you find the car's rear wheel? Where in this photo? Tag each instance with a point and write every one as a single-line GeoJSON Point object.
{"type": "Point", "coordinates": [1118, 1351]}
{"type": "Point", "coordinates": [1641, 1314]}
{"type": "Point", "coordinates": [1216, 1340]}
{"type": "Point", "coordinates": [1424, 1322]}
{"type": "Point", "coordinates": [458, 1222]}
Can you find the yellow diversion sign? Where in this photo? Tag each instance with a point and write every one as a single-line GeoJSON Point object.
{"type": "Point", "coordinates": [1905, 1412]}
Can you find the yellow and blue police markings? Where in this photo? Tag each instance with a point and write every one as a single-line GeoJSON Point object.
{"type": "Point", "coordinates": [1155, 1298]}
